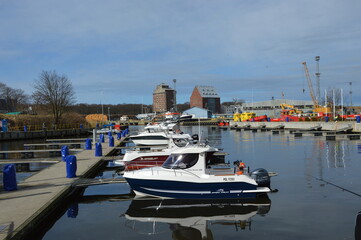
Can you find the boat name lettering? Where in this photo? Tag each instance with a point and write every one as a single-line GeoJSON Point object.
{"type": "Point", "coordinates": [149, 158]}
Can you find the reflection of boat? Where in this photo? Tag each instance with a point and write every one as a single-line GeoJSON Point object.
{"type": "Point", "coordinates": [193, 216]}
{"type": "Point", "coordinates": [196, 172]}
{"type": "Point", "coordinates": [159, 134]}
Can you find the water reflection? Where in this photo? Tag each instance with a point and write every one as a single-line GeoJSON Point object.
{"type": "Point", "coordinates": [358, 227]}
{"type": "Point", "coordinates": [193, 219]}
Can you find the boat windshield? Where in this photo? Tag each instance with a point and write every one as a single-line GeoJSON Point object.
{"type": "Point", "coordinates": [181, 161]}
{"type": "Point", "coordinates": [180, 142]}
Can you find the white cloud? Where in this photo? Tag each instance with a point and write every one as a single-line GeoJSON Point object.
{"type": "Point", "coordinates": [233, 45]}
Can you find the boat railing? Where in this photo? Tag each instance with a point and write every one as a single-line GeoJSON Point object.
{"type": "Point", "coordinates": [144, 164]}
{"type": "Point", "coordinates": [155, 171]}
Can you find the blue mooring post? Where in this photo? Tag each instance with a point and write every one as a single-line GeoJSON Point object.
{"type": "Point", "coordinates": [109, 133]}
{"type": "Point", "coordinates": [98, 150]}
{"type": "Point", "coordinates": [9, 177]}
{"type": "Point", "coordinates": [25, 128]}
{"type": "Point", "coordinates": [88, 144]}
{"type": "Point", "coordinates": [71, 166]}
{"type": "Point", "coordinates": [327, 119]}
{"type": "Point", "coordinates": [358, 119]}
{"type": "Point", "coordinates": [111, 141]}
{"type": "Point", "coordinates": [287, 119]}
{"type": "Point", "coordinates": [81, 126]}
{"type": "Point", "coordinates": [4, 125]}
{"type": "Point", "coordinates": [101, 138]}
{"type": "Point", "coordinates": [119, 135]}
{"type": "Point", "coordinates": [64, 152]}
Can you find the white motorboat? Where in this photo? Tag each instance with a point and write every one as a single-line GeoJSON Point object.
{"type": "Point", "coordinates": [150, 157]}
{"type": "Point", "coordinates": [159, 134]}
{"type": "Point", "coordinates": [197, 172]}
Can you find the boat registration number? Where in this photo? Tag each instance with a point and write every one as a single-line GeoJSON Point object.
{"type": "Point", "coordinates": [227, 179]}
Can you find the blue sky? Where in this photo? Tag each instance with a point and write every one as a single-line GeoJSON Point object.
{"type": "Point", "coordinates": [117, 51]}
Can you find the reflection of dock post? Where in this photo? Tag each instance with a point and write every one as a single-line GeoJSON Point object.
{"type": "Point", "coordinates": [358, 227]}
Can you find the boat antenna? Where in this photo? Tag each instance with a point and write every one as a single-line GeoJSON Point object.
{"type": "Point", "coordinates": [199, 131]}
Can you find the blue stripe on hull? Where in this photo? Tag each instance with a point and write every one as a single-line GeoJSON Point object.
{"type": "Point", "coordinates": [188, 190]}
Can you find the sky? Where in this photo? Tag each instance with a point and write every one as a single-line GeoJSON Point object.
{"type": "Point", "coordinates": [118, 51]}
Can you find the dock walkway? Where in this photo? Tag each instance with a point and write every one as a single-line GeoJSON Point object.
{"type": "Point", "coordinates": [24, 208]}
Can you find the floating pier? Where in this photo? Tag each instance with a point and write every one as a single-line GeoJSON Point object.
{"type": "Point", "coordinates": [40, 195]}
{"type": "Point", "coordinates": [343, 126]}
{"type": "Point", "coordinates": [331, 130]}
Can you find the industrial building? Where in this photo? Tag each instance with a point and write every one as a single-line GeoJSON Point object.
{"type": "Point", "coordinates": [197, 112]}
{"type": "Point", "coordinates": [272, 108]}
{"type": "Point", "coordinates": [206, 97]}
{"type": "Point", "coordinates": [163, 98]}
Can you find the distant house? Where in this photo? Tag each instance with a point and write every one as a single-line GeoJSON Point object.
{"type": "Point", "coordinates": [3, 106]}
{"type": "Point", "coordinates": [206, 97]}
{"type": "Point", "coordinates": [197, 112]}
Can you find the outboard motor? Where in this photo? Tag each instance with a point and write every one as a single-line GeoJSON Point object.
{"type": "Point", "coordinates": [195, 138]}
{"type": "Point", "coordinates": [261, 177]}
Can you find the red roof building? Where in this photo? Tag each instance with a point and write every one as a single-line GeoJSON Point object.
{"type": "Point", "coordinates": [206, 97]}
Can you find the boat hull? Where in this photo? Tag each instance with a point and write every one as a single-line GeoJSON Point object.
{"type": "Point", "coordinates": [194, 190]}
{"type": "Point", "coordinates": [150, 140]}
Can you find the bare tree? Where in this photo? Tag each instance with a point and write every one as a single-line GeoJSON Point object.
{"type": "Point", "coordinates": [333, 96]}
{"type": "Point", "coordinates": [13, 97]}
{"type": "Point", "coordinates": [55, 91]}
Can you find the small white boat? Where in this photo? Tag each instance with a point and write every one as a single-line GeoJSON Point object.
{"type": "Point", "coordinates": [159, 134]}
{"type": "Point", "coordinates": [197, 172]}
{"type": "Point", "coordinates": [186, 117]}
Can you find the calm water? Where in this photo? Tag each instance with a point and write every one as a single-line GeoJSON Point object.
{"type": "Point", "coordinates": [308, 205]}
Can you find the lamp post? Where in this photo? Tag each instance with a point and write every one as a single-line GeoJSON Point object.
{"type": "Point", "coordinates": [175, 94]}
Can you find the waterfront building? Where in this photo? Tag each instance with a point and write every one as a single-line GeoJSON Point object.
{"type": "Point", "coordinates": [272, 108]}
{"type": "Point", "coordinates": [206, 97]}
{"type": "Point", "coordinates": [163, 98]}
{"type": "Point", "coordinates": [197, 112]}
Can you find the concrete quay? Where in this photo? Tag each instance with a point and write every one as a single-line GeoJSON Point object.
{"type": "Point", "coordinates": [324, 126]}
{"type": "Point", "coordinates": [43, 193]}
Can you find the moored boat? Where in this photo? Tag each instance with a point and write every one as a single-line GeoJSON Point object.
{"type": "Point", "coordinates": [159, 134]}
{"type": "Point", "coordinates": [142, 158]}
{"type": "Point", "coordinates": [197, 172]}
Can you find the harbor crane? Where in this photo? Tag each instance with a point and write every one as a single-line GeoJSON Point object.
{"type": "Point", "coordinates": [317, 108]}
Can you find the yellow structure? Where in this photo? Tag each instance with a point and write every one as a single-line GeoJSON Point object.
{"type": "Point", "coordinates": [240, 117]}
{"type": "Point", "coordinates": [290, 110]}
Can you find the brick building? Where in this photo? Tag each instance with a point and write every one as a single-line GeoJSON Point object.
{"type": "Point", "coordinates": [163, 98]}
{"type": "Point", "coordinates": [206, 97]}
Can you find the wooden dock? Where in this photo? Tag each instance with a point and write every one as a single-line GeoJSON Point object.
{"type": "Point", "coordinates": [43, 193]}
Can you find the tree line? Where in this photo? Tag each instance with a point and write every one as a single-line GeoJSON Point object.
{"type": "Point", "coordinates": [54, 94]}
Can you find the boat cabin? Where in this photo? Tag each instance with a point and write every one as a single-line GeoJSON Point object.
{"type": "Point", "coordinates": [209, 162]}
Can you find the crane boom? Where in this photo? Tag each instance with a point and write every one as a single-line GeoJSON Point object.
{"type": "Point", "coordinates": [314, 99]}
{"type": "Point", "coordinates": [317, 108]}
